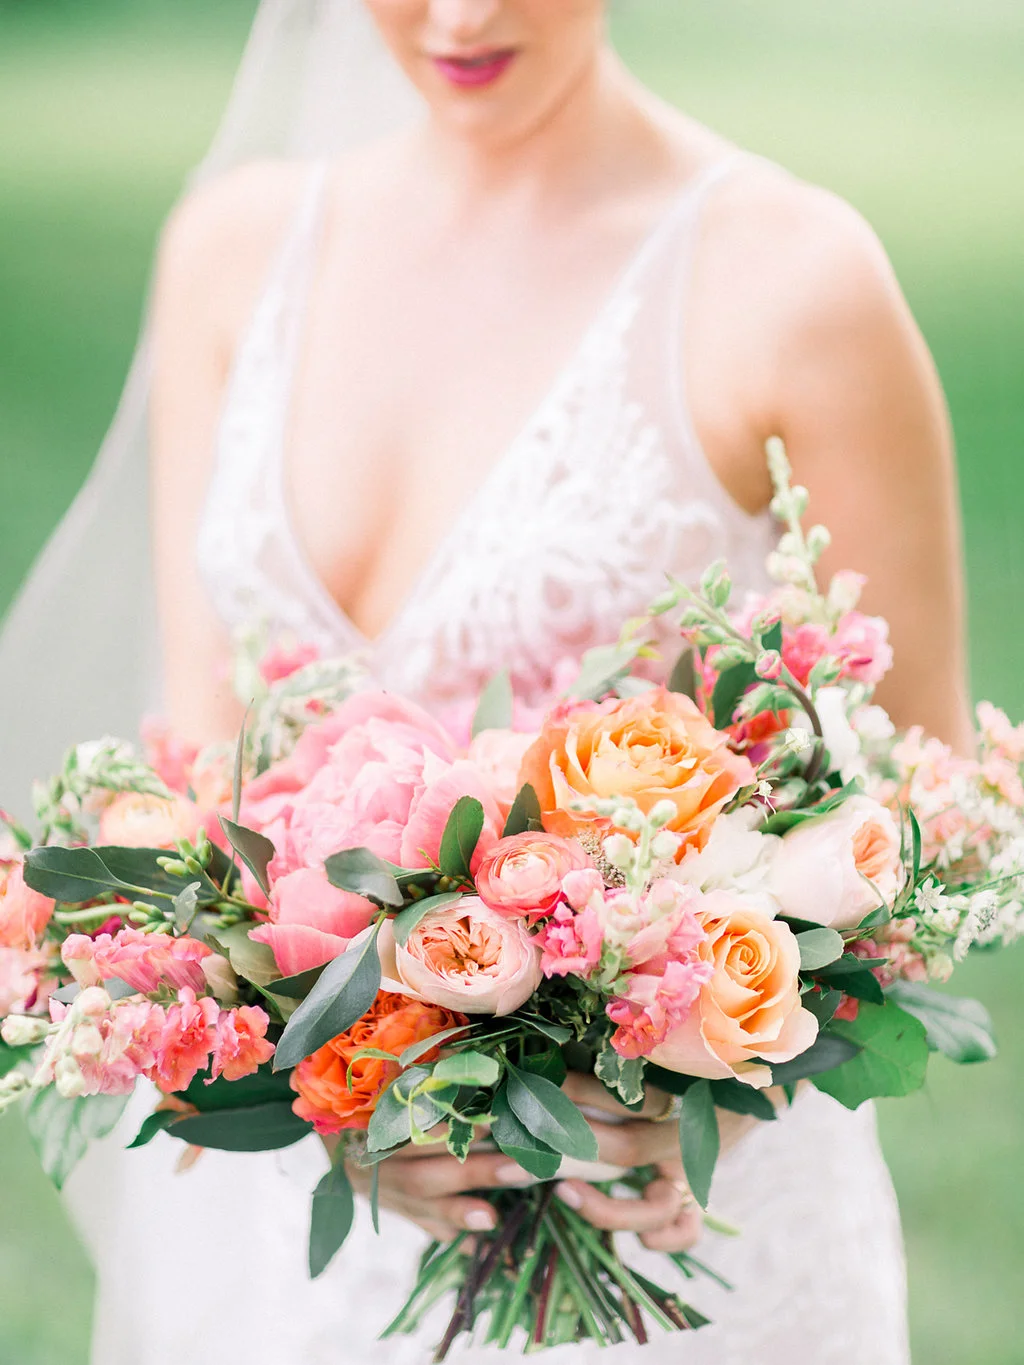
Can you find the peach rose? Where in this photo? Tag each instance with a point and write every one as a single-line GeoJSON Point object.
{"type": "Point", "coordinates": [133, 820]}
{"type": "Point", "coordinates": [466, 957]}
{"type": "Point", "coordinates": [311, 921]}
{"type": "Point", "coordinates": [750, 1009]}
{"type": "Point", "coordinates": [24, 913]}
{"type": "Point", "coordinates": [522, 875]}
{"type": "Point", "coordinates": [835, 868]}
{"type": "Point", "coordinates": [391, 1024]}
{"type": "Point", "coordinates": [653, 748]}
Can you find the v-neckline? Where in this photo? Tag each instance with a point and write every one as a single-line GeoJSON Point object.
{"type": "Point", "coordinates": [374, 645]}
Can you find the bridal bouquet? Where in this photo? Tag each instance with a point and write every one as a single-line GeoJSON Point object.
{"type": "Point", "coordinates": [359, 926]}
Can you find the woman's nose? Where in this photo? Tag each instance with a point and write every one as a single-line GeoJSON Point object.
{"type": "Point", "coordinates": [464, 19]}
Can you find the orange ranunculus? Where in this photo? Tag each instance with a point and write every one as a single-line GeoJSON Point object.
{"type": "Point", "coordinates": [654, 747]}
{"type": "Point", "coordinates": [392, 1023]}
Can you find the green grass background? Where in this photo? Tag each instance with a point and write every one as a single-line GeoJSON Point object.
{"type": "Point", "coordinates": [913, 109]}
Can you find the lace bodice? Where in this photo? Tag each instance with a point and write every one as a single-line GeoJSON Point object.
{"type": "Point", "coordinates": [604, 491]}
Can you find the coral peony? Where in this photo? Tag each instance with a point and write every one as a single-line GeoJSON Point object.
{"type": "Point", "coordinates": [392, 1024]}
{"type": "Point", "coordinates": [311, 921]}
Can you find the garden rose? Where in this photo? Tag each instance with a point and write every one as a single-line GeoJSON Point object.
{"type": "Point", "coordinates": [311, 921]}
{"type": "Point", "coordinates": [392, 1024]}
{"type": "Point", "coordinates": [750, 1007]}
{"type": "Point", "coordinates": [24, 913]}
{"type": "Point", "coordinates": [466, 957]}
{"type": "Point", "coordinates": [836, 868]}
{"type": "Point", "coordinates": [522, 875]}
{"type": "Point", "coordinates": [653, 748]}
{"type": "Point", "coordinates": [133, 820]}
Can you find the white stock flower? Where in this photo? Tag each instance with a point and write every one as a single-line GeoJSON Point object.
{"type": "Point", "coordinates": [737, 857]}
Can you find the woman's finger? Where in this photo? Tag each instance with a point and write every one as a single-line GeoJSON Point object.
{"type": "Point", "coordinates": [659, 1206]}
{"type": "Point", "coordinates": [439, 1176]}
{"type": "Point", "coordinates": [588, 1091]}
{"type": "Point", "coordinates": [636, 1144]}
{"type": "Point", "coordinates": [680, 1235]}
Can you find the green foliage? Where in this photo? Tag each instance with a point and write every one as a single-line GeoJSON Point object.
{"type": "Point", "coordinates": [343, 994]}
{"type": "Point", "coordinates": [550, 1115]}
{"type": "Point", "coordinates": [623, 1076]}
{"type": "Point", "coordinates": [525, 812]}
{"type": "Point", "coordinates": [683, 678]}
{"type": "Point", "coordinates": [331, 1217]}
{"type": "Point", "coordinates": [852, 976]}
{"type": "Point", "coordinates": [730, 687]}
{"type": "Point", "coordinates": [157, 1122]}
{"type": "Point", "coordinates": [518, 1143]}
{"type": "Point", "coordinates": [892, 1060]}
{"type": "Point", "coordinates": [255, 850]}
{"type": "Point", "coordinates": [742, 1099]}
{"type": "Point", "coordinates": [828, 1050]}
{"type": "Point", "coordinates": [61, 1129]}
{"type": "Point", "coordinates": [364, 874]}
{"type": "Point", "coordinates": [494, 709]}
{"type": "Point", "coordinates": [76, 875]}
{"type": "Point", "coordinates": [819, 947]}
{"type": "Point", "coordinates": [699, 1139]}
{"type": "Point", "coordinates": [468, 1068]}
{"type": "Point", "coordinates": [243, 1128]}
{"type": "Point", "coordinates": [959, 1028]}
{"type": "Point", "coordinates": [602, 669]}
{"type": "Point", "coordinates": [460, 838]}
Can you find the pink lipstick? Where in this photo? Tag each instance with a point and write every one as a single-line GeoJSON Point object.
{"type": "Point", "coordinates": [483, 68]}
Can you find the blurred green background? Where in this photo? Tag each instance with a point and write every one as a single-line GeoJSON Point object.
{"type": "Point", "coordinates": [913, 109]}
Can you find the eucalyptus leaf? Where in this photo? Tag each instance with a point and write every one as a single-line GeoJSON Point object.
{"type": "Point", "coordinates": [236, 779]}
{"type": "Point", "coordinates": [77, 875]}
{"type": "Point", "coordinates": [255, 850]}
{"type": "Point", "coordinates": [558, 1033]}
{"type": "Point", "coordinates": [468, 1068]}
{"type": "Point", "coordinates": [494, 710]}
{"type": "Point", "coordinates": [550, 1115]}
{"type": "Point", "coordinates": [417, 1050]}
{"type": "Point", "coordinates": [699, 1139]}
{"type": "Point", "coordinates": [253, 1128]}
{"type": "Point", "coordinates": [819, 947]}
{"type": "Point", "coordinates": [601, 669]}
{"type": "Point", "coordinates": [406, 920]}
{"type": "Point", "coordinates": [254, 962]}
{"type": "Point", "coordinates": [460, 838]}
{"type": "Point", "coordinates": [331, 1217]}
{"type": "Point", "coordinates": [519, 1144]}
{"type": "Point", "coordinates": [297, 987]}
{"type": "Point", "coordinates": [827, 1052]}
{"type": "Point", "coordinates": [157, 1122]}
{"type": "Point", "coordinates": [364, 874]}
{"type": "Point", "coordinates": [525, 814]}
{"type": "Point", "coordinates": [959, 1028]}
{"type": "Point", "coordinates": [892, 1059]}
{"type": "Point", "coordinates": [343, 994]}
{"type": "Point", "coordinates": [61, 1129]}
{"type": "Point", "coordinates": [262, 1087]}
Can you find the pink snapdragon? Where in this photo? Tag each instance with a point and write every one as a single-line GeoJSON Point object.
{"type": "Point", "coordinates": [23, 981]}
{"type": "Point", "coordinates": [240, 1044]}
{"type": "Point", "coordinates": [570, 942]}
{"type": "Point", "coordinates": [102, 1046]}
{"type": "Point", "coordinates": [186, 1041]}
{"type": "Point", "coordinates": [143, 961]}
{"type": "Point", "coordinates": [169, 757]}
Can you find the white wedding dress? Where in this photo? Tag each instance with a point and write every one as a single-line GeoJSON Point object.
{"type": "Point", "coordinates": [603, 491]}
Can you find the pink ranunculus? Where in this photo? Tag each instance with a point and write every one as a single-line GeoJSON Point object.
{"type": "Point", "coordinates": [466, 957]}
{"type": "Point", "coordinates": [22, 980]}
{"type": "Point", "coordinates": [240, 1046]}
{"type": "Point", "coordinates": [24, 913]}
{"type": "Point", "coordinates": [185, 1042]}
{"type": "Point", "coordinates": [498, 755]}
{"type": "Point", "coordinates": [134, 820]}
{"type": "Point", "coordinates": [522, 875]}
{"type": "Point", "coordinates": [143, 961]}
{"type": "Point", "coordinates": [570, 943]}
{"type": "Point", "coordinates": [311, 921]}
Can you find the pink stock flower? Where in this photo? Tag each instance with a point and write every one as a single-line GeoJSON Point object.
{"type": "Point", "coordinates": [311, 921]}
{"type": "Point", "coordinates": [185, 1041]}
{"type": "Point", "coordinates": [522, 875]}
{"type": "Point", "coordinates": [240, 1045]}
{"type": "Point", "coordinates": [654, 1004]}
{"type": "Point", "coordinates": [143, 961]}
{"type": "Point", "coordinates": [23, 981]}
{"type": "Point", "coordinates": [999, 734]}
{"type": "Point", "coordinates": [24, 913]}
{"type": "Point", "coordinates": [281, 661]}
{"type": "Point", "coordinates": [862, 644]}
{"type": "Point", "coordinates": [102, 1046]}
{"type": "Point", "coordinates": [570, 942]}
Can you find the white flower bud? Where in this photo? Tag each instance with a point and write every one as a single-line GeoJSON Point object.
{"type": "Point", "coordinates": [797, 741]}
{"type": "Point", "coordinates": [819, 538]}
{"type": "Point", "coordinates": [665, 845]}
{"type": "Point", "coordinates": [619, 850]}
{"type": "Point", "coordinates": [662, 814]}
{"type": "Point", "coordinates": [68, 1078]}
{"type": "Point", "coordinates": [12, 1087]}
{"type": "Point", "coordinates": [18, 1030]}
{"type": "Point", "coordinates": [800, 499]}
{"type": "Point", "coordinates": [629, 818]}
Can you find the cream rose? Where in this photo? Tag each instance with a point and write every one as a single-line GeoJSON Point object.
{"type": "Point", "coordinates": [750, 1010]}
{"type": "Point", "coordinates": [836, 868]}
{"type": "Point", "coordinates": [134, 820]}
{"type": "Point", "coordinates": [466, 957]}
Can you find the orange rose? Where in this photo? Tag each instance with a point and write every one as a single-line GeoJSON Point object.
{"type": "Point", "coordinates": [392, 1023]}
{"type": "Point", "coordinates": [655, 747]}
{"type": "Point", "coordinates": [750, 1009]}
{"type": "Point", "coordinates": [135, 820]}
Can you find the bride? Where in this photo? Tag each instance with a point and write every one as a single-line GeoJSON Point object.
{"type": "Point", "coordinates": [457, 396]}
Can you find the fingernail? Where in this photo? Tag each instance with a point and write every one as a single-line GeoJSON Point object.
{"type": "Point", "coordinates": [511, 1174]}
{"type": "Point", "coordinates": [481, 1220]}
{"type": "Point", "coordinates": [570, 1195]}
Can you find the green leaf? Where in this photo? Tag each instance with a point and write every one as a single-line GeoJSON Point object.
{"type": "Point", "coordinates": [263, 1087]}
{"type": "Point", "coordinates": [519, 1144]}
{"type": "Point", "coordinates": [468, 1068]}
{"type": "Point", "coordinates": [460, 838]}
{"type": "Point", "coordinates": [558, 1033]}
{"type": "Point", "coordinates": [11, 1057]}
{"type": "Point", "coordinates": [772, 638]}
{"type": "Point", "coordinates": [76, 875]}
{"type": "Point", "coordinates": [827, 1052]}
{"type": "Point", "coordinates": [417, 1050]}
{"type": "Point", "coordinates": [236, 781]}
{"type": "Point", "coordinates": [360, 871]}
{"type": "Point", "coordinates": [822, 1004]}
{"type": "Point", "coordinates": [186, 903]}
{"type": "Point", "coordinates": [683, 678]}
{"type": "Point", "coordinates": [297, 987]}
{"type": "Point", "coordinates": [248, 1128]}
{"type": "Point", "coordinates": [742, 1099]}
{"type": "Point", "coordinates": [892, 1061]}
{"type": "Point", "coordinates": [915, 833]}
{"type": "Point", "coordinates": [525, 813]}
{"type": "Point", "coordinates": [460, 1138]}
{"type": "Point", "coordinates": [601, 669]}
{"type": "Point", "coordinates": [784, 820]}
{"type": "Point", "coordinates": [255, 850]}
{"type": "Point", "coordinates": [343, 994]}
{"type": "Point", "coordinates": [672, 1082]}
{"type": "Point", "coordinates": [550, 1115]}
{"type": "Point", "coordinates": [331, 1219]}
{"type": "Point", "coordinates": [819, 947]}
{"type": "Point", "coordinates": [699, 1140]}
{"type": "Point", "coordinates": [252, 961]}
{"type": "Point", "coordinates": [406, 920]}
{"type": "Point", "coordinates": [157, 1122]}
{"type": "Point", "coordinates": [853, 977]}
{"type": "Point", "coordinates": [624, 1076]}
{"type": "Point", "coordinates": [494, 710]}
{"type": "Point", "coordinates": [959, 1028]}
{"type": "Point", "coordinates": [729, 688]}
{"type": "Point", "coordinates": [397, 1109]}
{"type": "Point", "coordinates": [61, 1129]}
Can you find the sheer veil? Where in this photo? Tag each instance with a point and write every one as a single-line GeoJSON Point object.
{"type": "Point", "coordinates": [78, 651]}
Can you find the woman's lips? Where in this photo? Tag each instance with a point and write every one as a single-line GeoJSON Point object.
{"type": "Point", "coordinates": [482, 69]}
